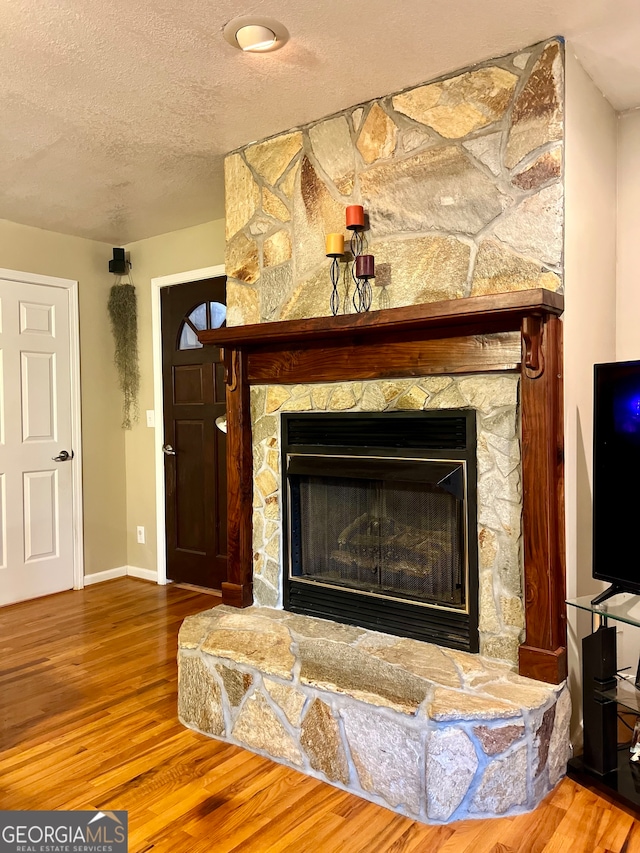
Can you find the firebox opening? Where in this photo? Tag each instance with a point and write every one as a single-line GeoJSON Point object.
{"type": "Point", "coordinates": [381, 522]}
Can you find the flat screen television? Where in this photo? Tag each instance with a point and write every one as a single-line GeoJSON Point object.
{"type": "Point", "coordinates": [616, 477]}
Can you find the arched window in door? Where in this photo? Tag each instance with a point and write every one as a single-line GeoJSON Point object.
{"type": "Point", "coordinates": [207, 315]}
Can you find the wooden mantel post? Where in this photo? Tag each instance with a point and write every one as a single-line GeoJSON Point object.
{"type": "Point", "coordinates": [543, 654]}
{"type": "Point", "coordinates": [238, 589]}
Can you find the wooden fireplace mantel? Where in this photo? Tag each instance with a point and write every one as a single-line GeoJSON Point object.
{"type": "Point", "coordinates": [512, 331]}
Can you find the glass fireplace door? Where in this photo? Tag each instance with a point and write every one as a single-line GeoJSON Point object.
{"type": "Point", "coordinates": [389, 536]}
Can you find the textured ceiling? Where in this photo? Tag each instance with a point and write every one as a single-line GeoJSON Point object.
{"type": "Point", "coordinates": [116, 116]}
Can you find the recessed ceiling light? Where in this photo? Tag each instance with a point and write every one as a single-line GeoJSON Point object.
{"type": "Point", "coordinates": [255, 35]}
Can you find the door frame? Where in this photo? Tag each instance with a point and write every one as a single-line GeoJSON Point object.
{"type": "Point", "coordinates": [77, 515]}
{"type": "Point", "coordinates": [158, 405]}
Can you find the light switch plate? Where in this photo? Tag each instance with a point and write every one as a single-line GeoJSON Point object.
{"type": "Point", "coordinates": [151, 418]}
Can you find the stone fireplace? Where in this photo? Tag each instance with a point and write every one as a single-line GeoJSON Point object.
{"type": "Point", "coordinates": [462, 179]}
{"type": "Point", "coordinates": [512, 383]}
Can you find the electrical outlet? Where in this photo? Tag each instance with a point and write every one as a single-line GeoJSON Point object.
{"type": "Point", "coordinates": [140, 533]}
{"type": "Point", "coordinates": [151, 418]}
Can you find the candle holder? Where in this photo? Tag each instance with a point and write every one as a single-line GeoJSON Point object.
{"type": "Point", "coordinates": [334, 250]}
{"type": "Point", "coordinates": [334, 299]}
{"type": "Point", "coordinates": [356, 224]}
{"type": "Point", "coordinates": [347, 280]}
{"type": "Point", "coordinates": [365, 270]}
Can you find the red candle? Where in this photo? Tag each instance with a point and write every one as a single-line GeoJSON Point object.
{"type": "Point", "coordinates": [365, 266]}
{"type": "Point", "coordinates": [355, 216]}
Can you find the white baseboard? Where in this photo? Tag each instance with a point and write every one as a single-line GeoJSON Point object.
{"type": "Point", "coordinates": [107, 575]}
{"type": "Point", "coordinates": [121, 572]}
{"type": "Point", "coordinates": [143, 574]}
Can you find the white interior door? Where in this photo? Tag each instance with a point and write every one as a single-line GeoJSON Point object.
{"type": "Point", "coordinates": [36, 492]}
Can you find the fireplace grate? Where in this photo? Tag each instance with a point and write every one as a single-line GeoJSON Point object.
{"type": "Point", "coordinates": [392, 538]}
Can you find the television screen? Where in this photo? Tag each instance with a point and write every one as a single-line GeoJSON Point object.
{"type": "Point", "coordinates": [616, 475]}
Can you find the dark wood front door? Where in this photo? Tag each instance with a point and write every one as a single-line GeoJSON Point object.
{"type": "Point", "coordinates": [195, 449]}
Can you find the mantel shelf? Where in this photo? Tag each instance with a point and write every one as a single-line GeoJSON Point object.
{"type": "Point", "coordinates": [502, 312]}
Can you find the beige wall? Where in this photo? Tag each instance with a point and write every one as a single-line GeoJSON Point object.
{"type": "Point", "coordinates": [47, 253]}
{"type": "Point", "coordinates": [589, 319]}
{"type": "Point", "coordinates": [628, 309]}
{"type": "Point", "coordinates": [118, 466]}
{"type": "Point", "coordinates": [179, 251]}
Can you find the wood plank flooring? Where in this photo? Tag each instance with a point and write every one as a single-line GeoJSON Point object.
{"type": "Point", "coordinates": [88, 720]}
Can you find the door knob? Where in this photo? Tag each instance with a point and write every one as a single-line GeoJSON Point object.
{"type": "Point", "coordinates": [168, 450]}
{"type": "Point", "coordinates": [64, 456]}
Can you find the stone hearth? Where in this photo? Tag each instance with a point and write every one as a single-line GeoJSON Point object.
{"type": "Point", "coordinates": [434, 734]}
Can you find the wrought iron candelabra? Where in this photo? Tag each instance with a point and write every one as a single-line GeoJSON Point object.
{"type": "Point", "coordinates": [361, 267]}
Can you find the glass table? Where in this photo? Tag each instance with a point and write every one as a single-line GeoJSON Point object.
{"type": "Point", "coordinates": [603, 693]}
{"type": "Point", "coordinates": [622, 607]}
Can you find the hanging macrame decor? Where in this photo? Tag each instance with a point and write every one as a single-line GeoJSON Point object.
{"type": "Point", "coordinates": [123, 312]}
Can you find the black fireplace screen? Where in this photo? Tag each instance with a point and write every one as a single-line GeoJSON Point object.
{"type": "Point", "coordinates": [403, 539]}
{"type": "Point", "coordinates": [380, 521]}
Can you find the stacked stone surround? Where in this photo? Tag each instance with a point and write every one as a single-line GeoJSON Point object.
{"type": "Point", "coordinates": [462, 179]}
{"type": "Point", "coordinates": [494, 398]}
{"type": "Point", "coordinates": [434, 734]}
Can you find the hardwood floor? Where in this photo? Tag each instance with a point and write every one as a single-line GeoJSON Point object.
{"type": "Point", "coordinates": [88, 721]}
